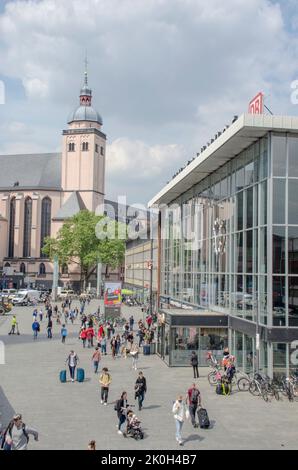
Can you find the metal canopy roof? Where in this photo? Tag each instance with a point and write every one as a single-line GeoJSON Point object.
{"type": "Point", "coordinates": [241, 134]}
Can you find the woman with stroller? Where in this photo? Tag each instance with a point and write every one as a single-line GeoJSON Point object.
{"type": "Point", "coordinates": [121, 408]}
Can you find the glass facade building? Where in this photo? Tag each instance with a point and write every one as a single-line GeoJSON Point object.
{"type": "Point", "coordinates": [229, 244]}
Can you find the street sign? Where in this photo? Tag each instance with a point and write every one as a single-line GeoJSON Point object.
{"type": "Point", "coordinates": [256, 105]}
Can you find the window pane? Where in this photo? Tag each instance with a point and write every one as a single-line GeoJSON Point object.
{"type": "Point", "coordinates": [239, 252]}
{"type": "Point", "coordinates": [240, 211]}
{"type": "Point", "coordinates": [249, 208]}
{"type": "Point", "coordinates": [249, 252]}
{"type": "Point", "coordinates": [278, 301]}
{"type": "Point", "coordinates": [263, 250]}
{"type": "Point", "coordinates": [293, 201]}
{"type": "Point", "coordinates": [278, 249]}
{"type": "Point", "coordinates": [279, 201]}
{"type": "Point", "coordinates": [293, 156]}
{"type": "Point", "coordinates": [293, 301]}
{"type": "Point", "coordinates": [279, 155]}
{"type": "Point", "coordinates": [293, 250]}
{"type": "Point", "coordinates": [263, 203]}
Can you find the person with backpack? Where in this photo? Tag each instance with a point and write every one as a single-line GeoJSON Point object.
{"type": "Point", "coordinates": [121, 408]}
{"type": "Point", "coordinates": [105, 380]}
{"type": "Point", "coordinates": [96, 359]}
{"type": "Point", "coordinates": [72, 362]}
{"type": "Point", "coordinates": [194, 362]}
{"type": "Point", "coordinates": [83, 336]}
{"type": "Point", "coordinates": [103, 344]}
{"type": "Point", "coordinates": [63, 334]}
{"type": "Point", "coordinates": [140, 389]}
{"type": "Point", "coordinates": [35, 328]}
{"type": "Point", "coordinates": [16, 435]}
{"type": "Point", "coordinates": [193, 399]}
{"type": "Point", "coordinates": [181, 413]}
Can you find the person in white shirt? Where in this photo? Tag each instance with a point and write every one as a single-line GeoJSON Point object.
{"type": "Point", "coordinates": [180, 414]}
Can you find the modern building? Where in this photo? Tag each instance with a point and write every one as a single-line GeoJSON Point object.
{"type": "Point", "coordinates": [228, 248]}
{"type": "Point", "coordinates": [141, 266]}
{"type": "Point", "coordinates": [38, 192]}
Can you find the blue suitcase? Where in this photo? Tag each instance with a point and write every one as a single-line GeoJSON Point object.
{"type": "Point", "coordinates": [80, 375]}
{"type": "Point", "coordinates": [63, 376]}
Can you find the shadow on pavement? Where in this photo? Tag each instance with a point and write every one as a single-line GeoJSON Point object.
{"type": "Point", "coordinates": [151, 407]}
{"type": "Point", "coordinates": [28, 338]}
{"type": "Point", "coordinates": [6, 410]}
{"type": "Point", "coordinates": [193, 437]}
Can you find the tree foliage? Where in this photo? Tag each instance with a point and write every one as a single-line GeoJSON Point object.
{"type": "Point", "coordinates": [87, 239]}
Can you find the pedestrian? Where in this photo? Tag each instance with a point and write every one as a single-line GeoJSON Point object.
{"type": "Point", "coordinates": [117, 345]}
{"type": "Point", "coordinates": [35, 314]}
{"type": "Point", "coordinates": [105, 380]}
{"type": "Point", "coordinates": [13, 325]}
{"type": "Point", "coordinates": [56, 309]}
{"type": "Point", "coordinates": [90, 335]}
{"type": "Point", "coordinates": [92, 445]}
{"type": "Point", "coordinates": [103, 344]}
{"type": "Point", "coordinates": [83, 336]}
{"type": "Point", "coordinates": [35, 328]}
{"type": "Point", "coordinates": [194, 362]}
{"type": "Point", "coordinates": [113, 347]}
{"type": "Point", "coordinates": [131, 323]}
{"type": "Point", "coordinates": [63, 334]}
{"type": "Point", "coordinates": [72, 362]}
{"type": "Point", "coordinates": [16, 435]}
{"type": "Point", "coordinates": [193, 399]}
{"type": "Point", "coordinates": [121, 408]}
{"type": "Point", "coordinates": [49, 328]}
{"type": "Point", "coordinates": [140, 334]}
{"type": "Point", "coordinates": [180, 414]}
{"type": "Point", "coordinates": [40, 315]}
{"type": "Point", "coordinates": [134, 352]}
{"type": "Point", "coordinates": [140, 389]}
{"type": "Point", "coordinates": [96, 359]}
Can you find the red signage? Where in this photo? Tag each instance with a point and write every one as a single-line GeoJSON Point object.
{"type": "Point", "coordinates": [256, 104]}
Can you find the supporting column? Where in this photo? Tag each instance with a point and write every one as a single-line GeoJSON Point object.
{"type": "Point", "coordinates": [98, 280]}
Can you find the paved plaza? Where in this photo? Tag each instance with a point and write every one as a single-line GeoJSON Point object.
{"type": "Point", "coordinates": [69, 415]}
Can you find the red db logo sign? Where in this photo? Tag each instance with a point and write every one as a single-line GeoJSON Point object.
{"type": "Point", "coordinates": [256, 104]}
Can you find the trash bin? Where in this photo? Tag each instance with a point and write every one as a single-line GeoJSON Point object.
{"type": "Point", "coordinates": [146, 349]}
{"type": "Point", "coordinates": [153, 348]}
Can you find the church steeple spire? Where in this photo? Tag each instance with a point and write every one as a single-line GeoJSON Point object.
{"type": "Point", "coordinates": [86, 92]}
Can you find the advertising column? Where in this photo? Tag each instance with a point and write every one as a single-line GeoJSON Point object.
{"type": "Point", "coordinates": [112, 300]}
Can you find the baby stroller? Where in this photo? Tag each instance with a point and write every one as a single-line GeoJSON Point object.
{"type": "Point", "coordinates": [134, 429]}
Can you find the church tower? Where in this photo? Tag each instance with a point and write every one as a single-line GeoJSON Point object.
{"type": "Point", "coordinates": [83, 153]}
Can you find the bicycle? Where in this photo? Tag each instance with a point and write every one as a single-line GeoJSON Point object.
{"type": "Point", "coordinates": [258, 388]}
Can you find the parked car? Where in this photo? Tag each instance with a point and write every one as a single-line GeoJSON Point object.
{"type": "Point", "coordinates": [26, 297]}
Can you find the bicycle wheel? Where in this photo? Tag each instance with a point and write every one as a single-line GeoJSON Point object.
{"type": "Point", "coordinates": [276, 394]}
{"type": "Point", "coordinates": [243, 384]}
{"type": "Point", "coordinates": [253, 388]}
{"type": "Point", "coordinates": [264, 394]}
{"type": "Point", "coordinates": [212, 378]}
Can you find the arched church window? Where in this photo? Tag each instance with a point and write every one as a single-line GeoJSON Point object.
{"type": "Point", "coordinates": [85, 147]}
{"type": "Point", "coordinates": [101, 151]}
{"type": "Point", "coordinates": [12, 217]}
{"type": "Point", "coordinates": [27, 228]}
{"type": "Point", "coordinates": [46, 209]}
{"type": "Point", "coordinates": [71, 147]}
{"type": "Point", "coordinates": [42, 269]}
{"type": "Point", "coordinates": [23, 268]}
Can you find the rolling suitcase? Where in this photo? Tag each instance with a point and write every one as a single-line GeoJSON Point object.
{"type": "Point", "coordinates": [80, 375]}
{"type": "Point", "coordinates": [63, 376]}
{"type": "Point", "coordinates": [203, 418]}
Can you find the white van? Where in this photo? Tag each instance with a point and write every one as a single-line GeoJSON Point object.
{"type": "Point", "coordinates": [24, 297]}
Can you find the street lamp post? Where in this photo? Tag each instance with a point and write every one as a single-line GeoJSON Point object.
{"type": "Point", "coordinates": [55, 278]}
{"type": "Point", "coordinates": [151, 277]}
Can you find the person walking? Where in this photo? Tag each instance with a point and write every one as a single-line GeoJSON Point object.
{"type": "Point", "coordinates": [193, 399]}
{"type": "Point", "coordinates": [118, 345]}
{"type": "Point", "coordinates": [83, 336]}
{"type": "Point", "coordinates": [40, 315]}
{"type": "Point", "coordinates": [16, 435]}
{"type": "Point", "coordinates": [140, 389]}
{"type": "Point", "coordinates": [92, 445]}
{"type": "Point", "coordinates": [72, 362]}
{"type": "Point", "coordinates": [103, 344]}
{"type": "Point", "coordinates": [194, 362]}
{"type": "Point", "coordinates": [49, 328]}
{"type": "Point", "coordinates": [113, 347]}
{"type": "Point", "coordinates": [14, 324]}
{"type": "Point", "coordinates": [96, 357]}
{"type": "Point", "coordinates": [121, 408]}
{"type": "Point", "coordinates": [63, 333]}
{"type": "Point", "coordinates": [134, 352]}
{"type": "Point", "coordinates": [131, 323]}
{"type": "Point", "coordinates": [105, 380]}
{"type": "Point", "coordinates": [90, 335]}
{"type": "Point", "coordinates": [35, 328]}
{"type": "Point", "coordinates": [181, 413]}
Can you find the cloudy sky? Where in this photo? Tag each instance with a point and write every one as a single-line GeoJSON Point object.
{"type": "Point", "coordinates": [166, 75]}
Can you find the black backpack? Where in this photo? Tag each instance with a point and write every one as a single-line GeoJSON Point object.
{"type": "Point", "coordinates": [117, 406]}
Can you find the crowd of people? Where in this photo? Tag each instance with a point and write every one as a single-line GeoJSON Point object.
{"type": "Point", "coordinates": [120, 341]}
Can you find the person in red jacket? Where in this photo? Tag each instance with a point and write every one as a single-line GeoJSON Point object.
{"type": "Point", "coordinates": [83, 336]}
{"type": "Point", "coordinates": [90, 335]}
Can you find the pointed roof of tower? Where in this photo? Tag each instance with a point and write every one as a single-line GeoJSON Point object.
{"type": "Point", "coordinates": [72, 206]}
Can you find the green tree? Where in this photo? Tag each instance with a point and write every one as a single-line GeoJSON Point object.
{"type": "Point", "coordinates": [87, 239]}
